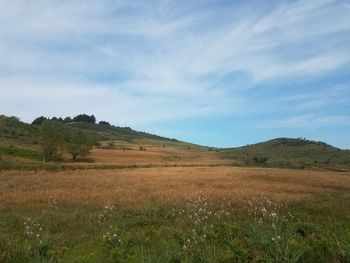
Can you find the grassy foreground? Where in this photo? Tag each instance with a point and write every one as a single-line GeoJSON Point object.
{"type": "Point", "coordinates": [198, 231]}
{"type": "Point", "coordinates": [175, 215]}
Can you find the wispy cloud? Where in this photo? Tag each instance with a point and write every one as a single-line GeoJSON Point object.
{"type": "Point", "coordinates": [314, 121]}
{"type": "Point", "coordinates": [142, 62]}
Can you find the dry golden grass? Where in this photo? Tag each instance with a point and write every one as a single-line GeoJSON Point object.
{"type": "Point", "coordinates": [168, 185]}
{"type": "Point", "coordinates": [155, 155]}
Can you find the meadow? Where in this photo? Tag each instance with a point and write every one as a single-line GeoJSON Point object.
{"type": "Point", "coordinates": [175, 214]}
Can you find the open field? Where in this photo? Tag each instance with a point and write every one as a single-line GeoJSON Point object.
{"type": "Point", "coordinates": [149, 154]}
{"type": "Point", "coordinates": [169, 185]}
{"type": "Point", "coordinates": [175, 214]}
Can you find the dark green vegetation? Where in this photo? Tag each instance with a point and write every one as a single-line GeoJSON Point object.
{"type": "Point", "coordinates": [55, 138]}
{"type": "Point", "coordinates": [78, 118]}
{"type": "Point", "coordinates": [290, 153]}
{"type": "Point", "coordinates": [200, 231]}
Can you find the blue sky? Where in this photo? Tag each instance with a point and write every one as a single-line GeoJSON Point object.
{"type": "Point", "coordinates": [217, 73]}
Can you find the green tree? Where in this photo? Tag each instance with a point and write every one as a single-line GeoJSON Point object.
{"type": "Point", "coordinates": [78, 144]}
{"type": "Point", "coordinates": [51, 139]}
{"type": "Point", "coordinates": [84, 118]}
{"type": "Point", "coordinates": [39, 120]}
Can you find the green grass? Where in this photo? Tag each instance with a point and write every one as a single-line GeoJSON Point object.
{"type": "Point", "coordinates": [199, 231]}
{"type": "Point", "coordinates": [23, 153]}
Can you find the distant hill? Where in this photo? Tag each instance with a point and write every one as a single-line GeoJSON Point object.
{"type": "Point", "coordinates": [290, 153]}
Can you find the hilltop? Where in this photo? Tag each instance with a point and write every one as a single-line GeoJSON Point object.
{"type": "Point", "coordinates": [290, 153]}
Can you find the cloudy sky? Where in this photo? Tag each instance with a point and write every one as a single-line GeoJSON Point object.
{"type": "Point", "coordinates": [218, 73]}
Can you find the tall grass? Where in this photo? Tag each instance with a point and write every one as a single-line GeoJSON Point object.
{"type": "Point", "coordinates": [196, 231]}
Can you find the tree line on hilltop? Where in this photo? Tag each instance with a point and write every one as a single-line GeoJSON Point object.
{"type": "Point", "coordinates": [79, 118]}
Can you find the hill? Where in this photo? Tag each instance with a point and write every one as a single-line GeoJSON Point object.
{"type": "Point", "coordinates": [290, 153]}
{"type": "Point", "coordinates": [12, 130]}
{"type": "Point", "coordinates": [19, 143]}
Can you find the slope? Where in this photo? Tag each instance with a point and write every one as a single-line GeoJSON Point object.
{"type": "Point", "coordinates": [290, 153]}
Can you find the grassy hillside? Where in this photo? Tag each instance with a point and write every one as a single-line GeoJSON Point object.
{"type": "Point", "coordinates": [19, 143]}
{"type": "Point", "coordinates": [290, 153]}
{"type": "Point", "coordinates": [12, 129]}
{"type": "Point", "coordinates": [126, 134]}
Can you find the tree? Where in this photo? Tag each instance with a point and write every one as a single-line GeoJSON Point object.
{"type": "Point", "coordinates": [51, 139]}
{"type": "Point", "coordinates": [78, 144]}
{"type": "Point", "coordinates": [85, 118]}
{"type": "Point", "coordinates": [67, 119]}
{"type": "Point", "coordinates": [104, 123]}
{"type": "Point", "coordinates": [39, 120]}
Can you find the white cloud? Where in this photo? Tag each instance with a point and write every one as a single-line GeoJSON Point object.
{"type": "Point", "coordinates": [313, 121]}
{"type": "Point", "coordinates": [54, 55]}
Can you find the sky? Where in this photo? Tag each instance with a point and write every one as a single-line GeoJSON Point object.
{"type": "Point", "coordinates": [216, 73]}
